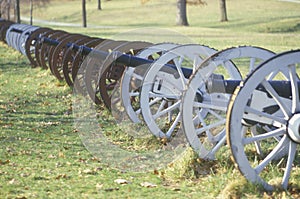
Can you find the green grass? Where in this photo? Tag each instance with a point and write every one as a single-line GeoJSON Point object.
{"type": "Point", "coordinates": [270, 24]}
{"type": "Point", "coordinates": [41, 153]}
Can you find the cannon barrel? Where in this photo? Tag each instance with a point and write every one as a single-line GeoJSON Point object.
{"type": "Point", "coordinates": [126, 59]}
{"type": "Point", "coordinates": [17, 30]}
{"type": "Point", "coordinates": [219, 85]}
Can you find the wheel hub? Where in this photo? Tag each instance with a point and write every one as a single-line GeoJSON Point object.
{"type": "Point", "coordinates": [294, 128]}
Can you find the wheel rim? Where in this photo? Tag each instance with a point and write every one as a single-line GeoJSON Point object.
{"type": "Point", "coordinates": [93, 66]}
{"type": "Point", "coordinates": [38, 47]}
{"type": "Point", "coordinates": [31, 44]}
{"type": "Point", "coordinates": [206, 133]}
{"type": "Point", "coordinates": [133, 76]}
{"type": "Point", "coordinates": [69, 58]}
{"type": "Point", "coordinates": [277, 140]}
{"type": "Point", "coordinates": [56, 59]}
{"type": "Point", "coordinates": [160, 107]}
{"type": "Point", "coordinates": [45, 49]}
{"type": "Point", "coordinates": [78, 68]}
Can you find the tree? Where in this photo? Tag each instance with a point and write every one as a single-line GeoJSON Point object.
{"type": "Point", "coordinates": [223, 11]}
{"type": "Point", "coordinates": [84, 13]}
{"type": "Point", "coordinates": [8, 9]}
{"type": "Point", "coordinates": [17, 11]}
{"type": "Point", "coordinates": [181, 17]}
{"type": "Point", "coordinates": [99, 5]}
{"type": "Point", "coordinates": [36, 3]}
{"type": "Point", "coordinates": [31, 12]}
{"type": "Point", "coordinates": [5, 9]}
{"type": "Point", "coordinates": [181, 13]}
{"type": "Point", "coordinates": [6, 6]}
{"type": "Point", "coordinates": [181, 10]}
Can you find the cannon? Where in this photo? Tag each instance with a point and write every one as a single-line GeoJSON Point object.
{"type": "Point", "coordinates": [247, 96]}
{"type": "Point", "coordinates": [261, 129]}
{"type": "Point", "coordinates": [274, 135]}
{"type": "Point", "coordinates": [219, 91]}
{"type": "Point", "coordinates": [134, 62]}
{"type": "Point", "coordinates": [17, 34]}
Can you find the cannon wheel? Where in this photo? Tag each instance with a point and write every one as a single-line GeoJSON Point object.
{"type": "Point", "coordinates": [24, 37]}
{"type": "Point", "coordinates": [78, 69]}
{"type": "Point", "coordinates": [69, 57]}
{"type": "Point", "coordinates": [203, 113]}
{"type": "Point", "coordinates": [88, 74]}
{"type": "Point", "coordinates": [38, 46]}
{"type": "Point", "coordinates": [132, 78]}
{"type": "Point", "coordinates": [111, 72]}
{"type": "Point", "coordinates": [56, 59]}
{"type": "Point", "coordinates": [161, 89]}
{"type": "Point", "coordinates": [280, 136]}
{"type": "Point", "coordinates": [94, 67]}
{"type": "Point", "coordinates": [31, 43]}
{"type": "Point", "coordinates": [46, 49]}
{"type": "Point", "coordinates": [17, 40]}
{"type": "Point", "coordinates": [51, 49]}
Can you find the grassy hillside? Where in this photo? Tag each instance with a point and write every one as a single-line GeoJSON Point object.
{"type": "Point", "coordinates": [268, 23]}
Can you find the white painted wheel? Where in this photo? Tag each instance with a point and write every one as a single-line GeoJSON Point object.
{"type": "Point", "coordinates": [207, 134]}
{"type": "Point", "coordinates": [279, 117]}
{"type": "Point", "coordinates": [162, 87]}
{"type": "Point", "coordinates": [133, 77]}
{"type": "Point", "coordinates": [110, 72]}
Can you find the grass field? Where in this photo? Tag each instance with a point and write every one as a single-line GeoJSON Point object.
{"type": "Point", "coordinates": [271, 24]}
{"type": "Point", "coordinates": [41, 153]}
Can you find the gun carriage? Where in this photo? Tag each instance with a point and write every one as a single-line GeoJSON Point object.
{"type": "Point", "coordinates": [166, 85]}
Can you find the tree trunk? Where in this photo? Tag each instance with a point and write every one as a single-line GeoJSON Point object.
{"type": "Point", "coordinates": [223, 11]}
{"type": "Point", "coordinates": [18, 17]}
{"type": "Point", "coordinates": [31, 12]}
{"type": "Point", "coordinates": [8, 10]}
{"type": "Point", "coordinates": [83, 14]}
{"type": "Point", "coordinates": [99, 5]}
{"type": "Point", "coordinates": [181, 13]}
